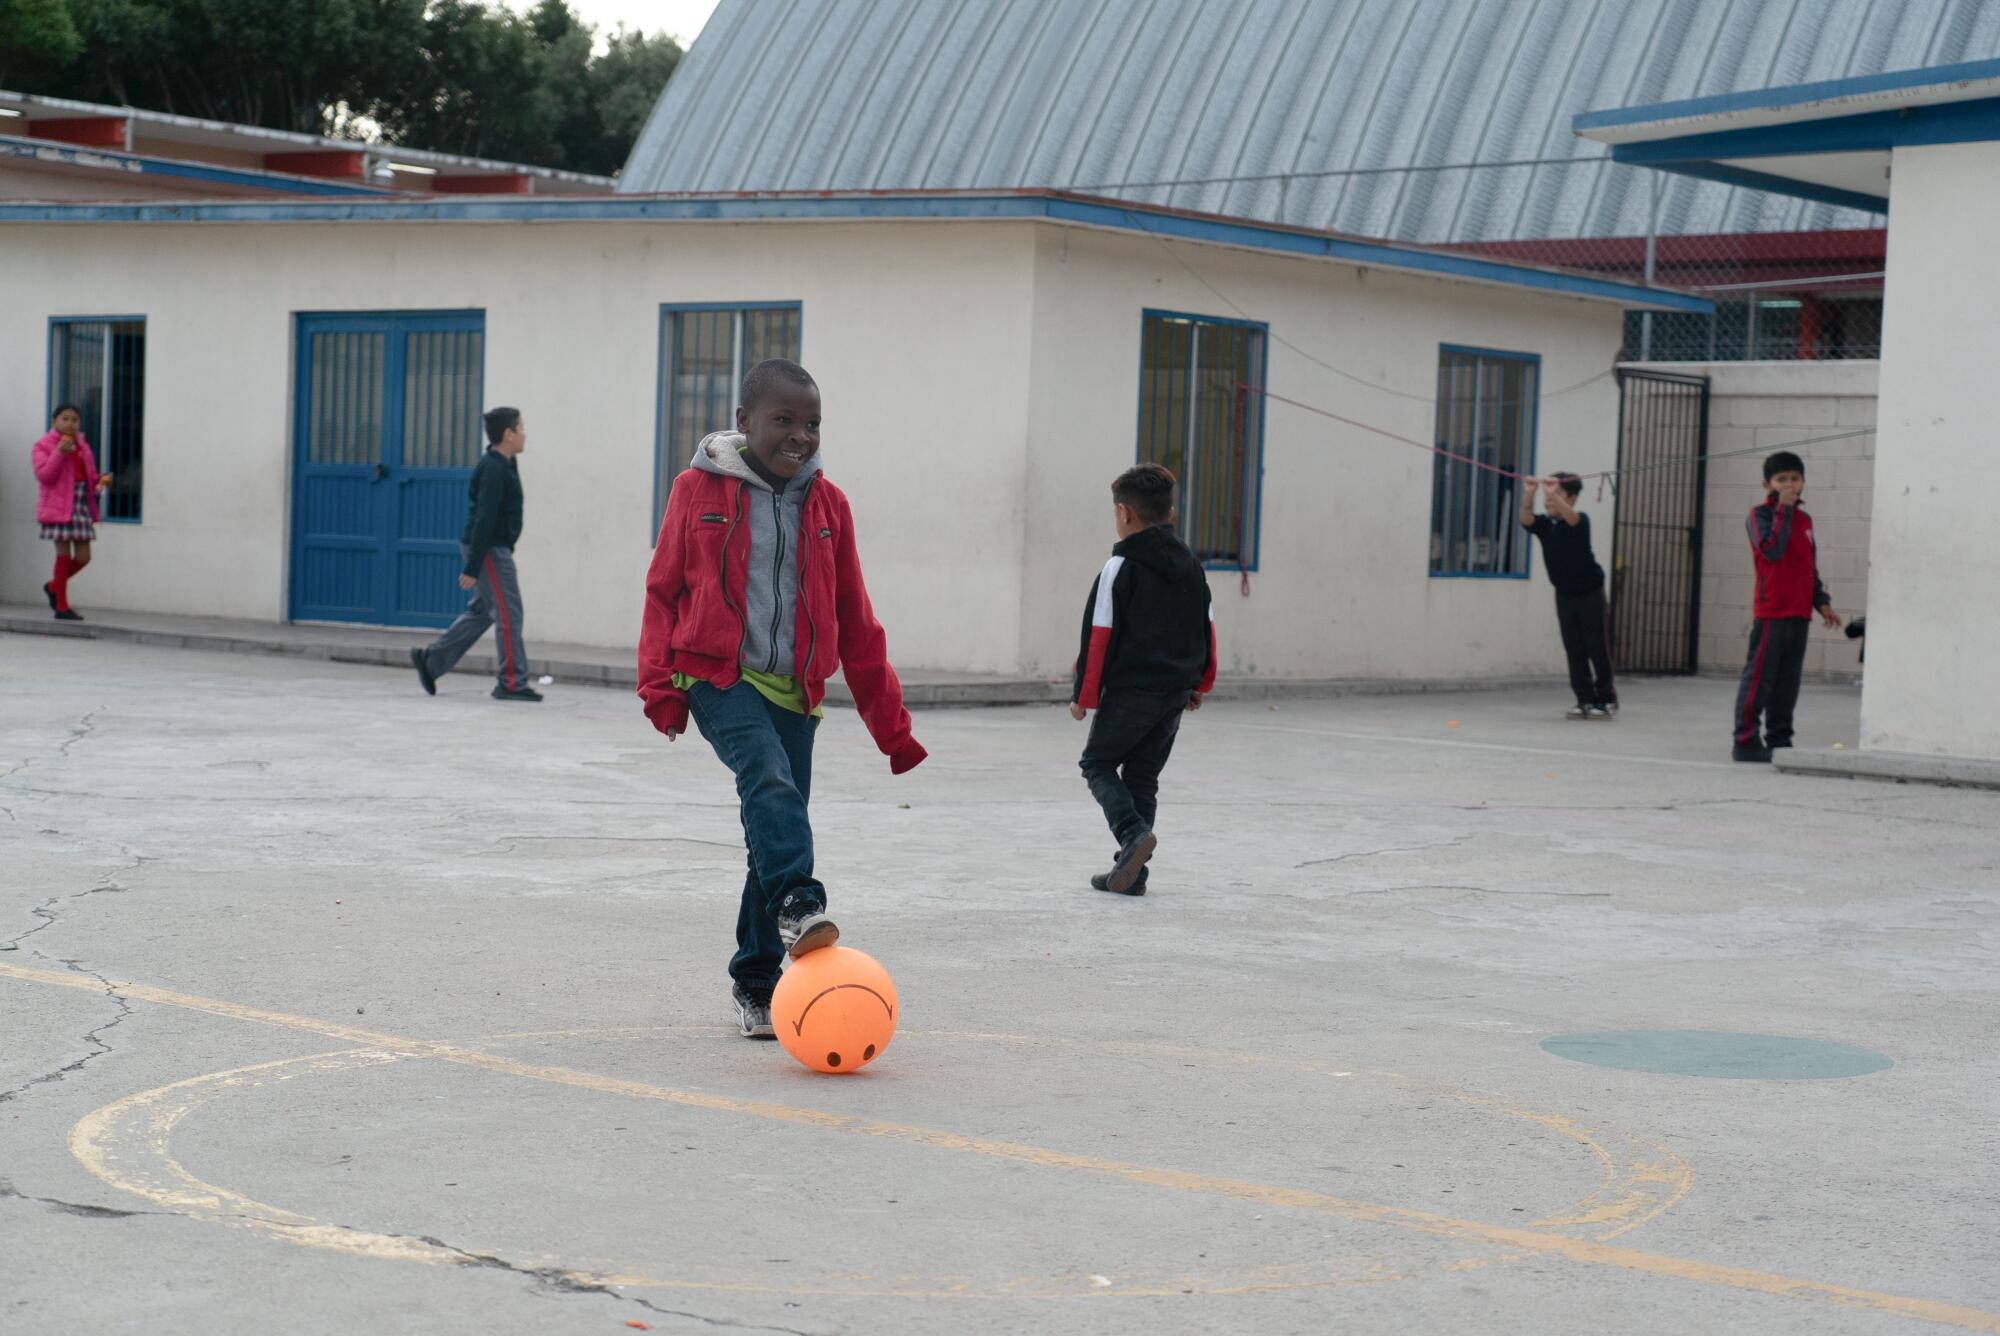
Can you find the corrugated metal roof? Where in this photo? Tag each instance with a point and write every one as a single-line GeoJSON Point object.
{"type": "Point", "coordinates": [1097, 95]}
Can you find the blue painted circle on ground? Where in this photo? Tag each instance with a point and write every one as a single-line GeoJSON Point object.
{"type": "Point", "coordinates": [1759, 1057]}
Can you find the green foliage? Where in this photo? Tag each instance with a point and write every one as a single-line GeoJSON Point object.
{"type": "Point", "coordinates": [458, 76]}
{"type": "Point", "coordinates": [34, 35]}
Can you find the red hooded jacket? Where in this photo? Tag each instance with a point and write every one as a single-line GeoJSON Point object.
{"type": "Point", "coordinates": [696, 591]}
{"type": "Point", "coordinates": [1782, 543]}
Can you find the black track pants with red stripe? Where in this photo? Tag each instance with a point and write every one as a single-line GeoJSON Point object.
{"type": "Point", "coordinates": [495, 601]}
{"type": "Point", "coordinates": [1770, 686]}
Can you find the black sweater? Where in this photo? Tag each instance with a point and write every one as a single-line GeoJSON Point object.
{"type": "Point", "coordinates": [1146, 624]}
{"type": "Point", "coordinates": [493, 515]}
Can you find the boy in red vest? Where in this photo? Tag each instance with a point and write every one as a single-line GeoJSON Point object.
{"type": "Point", "coordinates": [753, 599]}
{"type": "Point", "coordinates": [1788, 592]}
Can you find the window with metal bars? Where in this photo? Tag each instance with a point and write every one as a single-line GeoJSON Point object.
{"type": "Point", "coordinates": [1486, 407]}
{"type": "Point", "coordinates": [704, 351]}
{"type": "Point", "coordinates": [98, 363]}
{"type": "Point", "coordinates": [1201, 413]}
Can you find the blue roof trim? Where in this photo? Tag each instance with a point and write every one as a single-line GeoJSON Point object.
{"type": "Point", "coordinates": [1791, 95]}
{"type": "Point", "coordinates": [1025, 206]}
{"type": "Point", "coordinates": [138, 165]}
{"type": "Point", "coordinates": [1782, 185]}
{"type": "Point", "coordinates": [1872, 131]}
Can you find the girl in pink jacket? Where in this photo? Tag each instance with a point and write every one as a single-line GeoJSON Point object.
{"type": "Point", "coordinates": [67, 507]}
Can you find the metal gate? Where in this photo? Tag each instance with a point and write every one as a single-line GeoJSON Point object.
{"type": "Point", "coordinates": [1656, 542]}
{"type": "Point", "coordinates": [386, 435]}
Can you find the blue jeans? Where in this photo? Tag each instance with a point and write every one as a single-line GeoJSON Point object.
{"type": "Point", "coordinates": [769, 750]}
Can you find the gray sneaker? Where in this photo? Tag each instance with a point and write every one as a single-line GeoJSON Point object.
{"type": "Point", "coordinates": [806, 928]}
{"type": "Point", "coordinates": [1577, 712]}
{"type": "Point", "coordinates": [1599, 712]}
{"type": "Point", "coordinates": [753, 1014]}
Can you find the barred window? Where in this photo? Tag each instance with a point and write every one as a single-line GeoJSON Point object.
{"type": "Point", "coordinates": [100, 366]}
{"type": "Point", "coordinates": [1486, 405]}
{"type": "Point", "coordinates": [1201, 413]}
{"type": "Point", "coordinates": [704, 353]}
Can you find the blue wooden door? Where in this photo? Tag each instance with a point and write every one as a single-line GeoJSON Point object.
{"type": "Point", "coordinates": [386, 435]}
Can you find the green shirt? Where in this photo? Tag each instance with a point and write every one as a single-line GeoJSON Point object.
{"type": "Point", "coordinates": [781, 689]}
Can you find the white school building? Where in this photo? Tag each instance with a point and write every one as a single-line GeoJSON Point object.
{"type": "Point", "coordinates": [289, 392]}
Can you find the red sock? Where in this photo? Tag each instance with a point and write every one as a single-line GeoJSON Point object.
{"type": "Point", "coordinates": [59, 586]}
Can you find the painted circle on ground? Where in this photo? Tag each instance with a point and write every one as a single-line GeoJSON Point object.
{"type": "Point", "coordinates": [1754, 1057]}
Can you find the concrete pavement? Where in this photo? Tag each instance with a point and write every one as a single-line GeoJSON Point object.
{"type": "Point", "coordinates": [335, 1008]}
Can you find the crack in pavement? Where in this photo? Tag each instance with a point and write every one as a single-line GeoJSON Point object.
{"type": "Point", "coordinates": [569, 1282]}
{"type": "Point", "coordinates": [47, 912]}
{"type": "Point", "coordinates": [77, 1208]}
{"type": "Point", "coordinates": [1376, 853]}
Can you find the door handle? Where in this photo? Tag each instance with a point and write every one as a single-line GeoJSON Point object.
{"type": "Point", "coordinates": [381, 472]}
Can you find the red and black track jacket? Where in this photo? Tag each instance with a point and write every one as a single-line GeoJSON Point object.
{"type": "Point", "coordinates": [1781, 540]}
{"type": "Point", "coordinates": [1148, 624]}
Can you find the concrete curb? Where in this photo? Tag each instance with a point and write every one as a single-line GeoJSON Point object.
{"type": "Point", "coordinates": [1896, 767]}
{"type": "Point", "coordinates": [387, 649]}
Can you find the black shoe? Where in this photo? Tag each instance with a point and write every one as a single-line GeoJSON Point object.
{"type": "Point", "coordinates": [806, 928]}
{"type": "Point", "coordinates": [1102, 882]}
{"type": "Point", "coordinates": [1124, 874]}
{"type": "Point", "coordinates": [1753, 752]}
{"type": "Point", "coordinates": [753, 1013]}
{"type": "Point", "coordinates": [420, 660]}
{"type": "Point", "coordinates": [68, 615]}
{"type": "Point", "coordinates": [49, 593]}
{"type": "Point", "coordinates": [1775, 744]}
{"type": "Point", "coordinates": [516, 693]}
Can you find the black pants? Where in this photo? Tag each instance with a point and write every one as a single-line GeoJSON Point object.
{"type": "Point", "coordinates": [1131, 737]}
{"type": "Point", "coordinates": [1581, 617]}
{"type": "Point", "coordinates": [1770, 688]}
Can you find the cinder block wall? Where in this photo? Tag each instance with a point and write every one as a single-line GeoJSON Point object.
{"type": "Point", "coordinates": [1758, 407]}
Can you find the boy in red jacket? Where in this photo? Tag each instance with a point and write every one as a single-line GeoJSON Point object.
{"type": "Point", "coordinates": [753, 599]}
{"type": "Point", "coordinates": [1788, 592]}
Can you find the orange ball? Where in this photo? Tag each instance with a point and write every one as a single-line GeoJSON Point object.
{"type": "Point", "coordinates": [834, 1009]}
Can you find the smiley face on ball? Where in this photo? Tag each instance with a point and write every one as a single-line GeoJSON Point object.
{"type": "Point", "coordinates": [835, 1009]}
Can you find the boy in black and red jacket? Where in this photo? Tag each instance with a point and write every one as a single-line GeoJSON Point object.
{"type": "Point", "coordinates": [1788, 593]}
{"type": "Point", "coordinates": [1148, 656]}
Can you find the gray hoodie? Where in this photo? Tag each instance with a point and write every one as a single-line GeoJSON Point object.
{"type": "Point", "coordinates": [775, 519]}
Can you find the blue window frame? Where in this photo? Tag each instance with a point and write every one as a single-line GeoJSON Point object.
{"type": "Point", "coordinates": [1201, 413]}
{"type": "Point", "coordinates": [704, 351]}
{"type": "Point", "coordinates": [1487, 402]}
{"type": "Point", "coordinates": [98, 363]}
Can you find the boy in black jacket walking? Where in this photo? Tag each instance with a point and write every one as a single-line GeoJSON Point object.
{"type": "Point", "coordinates": [492, 527]}
{"type": "Point", "coordinates": [1148, 656]}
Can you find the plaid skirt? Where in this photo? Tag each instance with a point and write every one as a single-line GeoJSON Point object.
{"type": "Point", "coordinates": [78, 527]}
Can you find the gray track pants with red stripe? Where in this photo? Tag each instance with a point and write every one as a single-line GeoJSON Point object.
{"type": "Point", "coordinates": [1770, 685]}
{"type": "Point", "coordinates": [496, 598]}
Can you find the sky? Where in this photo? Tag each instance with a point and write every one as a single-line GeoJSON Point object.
{"type": "Point", "coordinates": [681, 18]}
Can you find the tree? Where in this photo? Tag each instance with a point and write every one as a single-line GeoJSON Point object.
{"type": "Point", "coordinates": [35, 35]}
{"type": "Point", "coordinates": [457, 76]}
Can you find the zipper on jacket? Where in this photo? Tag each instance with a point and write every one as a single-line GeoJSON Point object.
{"type": "Point", "coordinates": [777, 572]}
{"type": "Point", "coordinates": [812, 632]}
{"type": "Point", "coordinates": [742, 620]}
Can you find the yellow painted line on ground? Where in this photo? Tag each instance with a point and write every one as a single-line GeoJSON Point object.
{"type": "Point", "coordinates": [1586, 1251]}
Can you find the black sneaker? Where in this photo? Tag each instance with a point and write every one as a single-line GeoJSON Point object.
{"type": "Point", "coordinates": [1598, 712]}
{"type": "Point", "coordinates": [420, 660]}
{"type": "Point", "coordinates": [1775, 745]}
{"type": "Point", "coordinates": [68, 615]}
{"type": "Point", "coordinates": [1131, 861]}
{"type": "Point", "coordinates": [1577, 712]}
{"type": "Point", "coordinates": [1751, 752]}
{"type": "Point", "coordinates": [753, 1013]}
{"type": "Point", "coordinates": [49, 593]}
{"type": "Point", "coordinates": [1102, 882]}
{"type": "Point", "coordinates": [806, 928]}
{"type": "Point", "coordinates": [516, 693]}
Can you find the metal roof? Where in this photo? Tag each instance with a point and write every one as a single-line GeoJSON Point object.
{"type": "Point", "coordinates": [1089, 95]}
